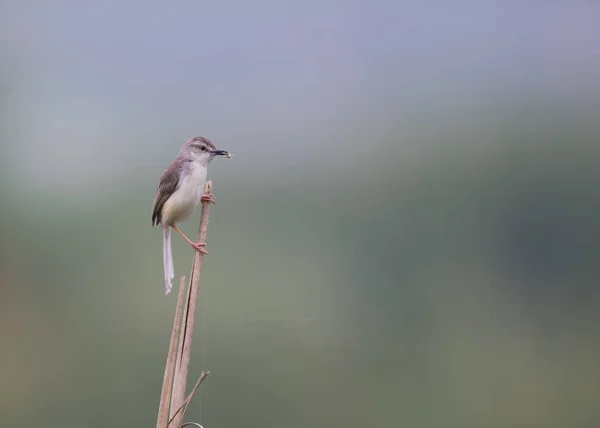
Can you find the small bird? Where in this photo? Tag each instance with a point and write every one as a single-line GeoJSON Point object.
{"type": "Point", "coordinates": [179, 192]}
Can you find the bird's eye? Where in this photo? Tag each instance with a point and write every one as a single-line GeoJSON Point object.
{"type": "Point", "coordinates": [203, 148]}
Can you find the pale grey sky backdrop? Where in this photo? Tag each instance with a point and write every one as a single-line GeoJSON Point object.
{"type": "Point", "coordinates": [99, 90]}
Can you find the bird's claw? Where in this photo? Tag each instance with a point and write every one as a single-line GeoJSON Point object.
{"type": "Point", "coordinates": [209, 197]}
{"type": "Point", "coordinates": [200, 247]}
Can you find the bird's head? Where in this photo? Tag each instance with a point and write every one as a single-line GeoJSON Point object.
{"type": "Point", "coordinates": [202, 150]}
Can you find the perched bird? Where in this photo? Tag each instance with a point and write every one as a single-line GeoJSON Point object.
{"type": "Point", "coordinates": [179, 192]}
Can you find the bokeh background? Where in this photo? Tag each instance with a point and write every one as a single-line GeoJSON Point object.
{"type": "Point", "coordinates": [408, 234]}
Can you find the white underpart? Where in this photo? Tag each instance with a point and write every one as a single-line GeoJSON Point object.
{"type": "Point", "coordinates": [185, 199]}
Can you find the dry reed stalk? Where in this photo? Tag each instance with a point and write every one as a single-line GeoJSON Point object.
{"type": "Point", "coordinates": [173, 403]}
{"type": "Point", "coordinates": [167, 387]}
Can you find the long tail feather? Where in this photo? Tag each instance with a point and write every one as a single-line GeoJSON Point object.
{"type": "Point", "coordinates": [168, 259]}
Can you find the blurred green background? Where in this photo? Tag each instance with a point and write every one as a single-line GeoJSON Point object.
{"type": "Point", "coordinates": [408, 234]}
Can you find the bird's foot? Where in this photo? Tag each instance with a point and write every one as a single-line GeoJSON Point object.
{"type": "Point", "coordinates": [199, 247]}
{"type": "Point", "coordinates": [209, 197]}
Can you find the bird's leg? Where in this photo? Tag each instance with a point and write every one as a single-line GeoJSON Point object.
{"type": "Point", "coordinates": [209, 197]}
{"type": "Point", "coordinates": [195, 246]}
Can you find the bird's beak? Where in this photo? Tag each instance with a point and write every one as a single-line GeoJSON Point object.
{"type": "Point", "coordinates": [220, 152]}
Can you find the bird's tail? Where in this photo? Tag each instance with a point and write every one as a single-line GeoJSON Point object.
{"type": "Point", "coordinates": [168, 259]}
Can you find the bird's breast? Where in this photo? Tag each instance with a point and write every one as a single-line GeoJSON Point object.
{"type": "Point", "coordinates": [186, 198]}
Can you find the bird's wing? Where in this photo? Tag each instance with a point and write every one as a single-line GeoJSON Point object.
{"type": "Point", "coordinates": [169, 182]}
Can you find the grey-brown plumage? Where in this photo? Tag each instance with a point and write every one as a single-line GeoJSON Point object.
{"type": "Point", "coordinates": [179, 193]}
{"type": "Point", "coordinates": [166, 186]}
